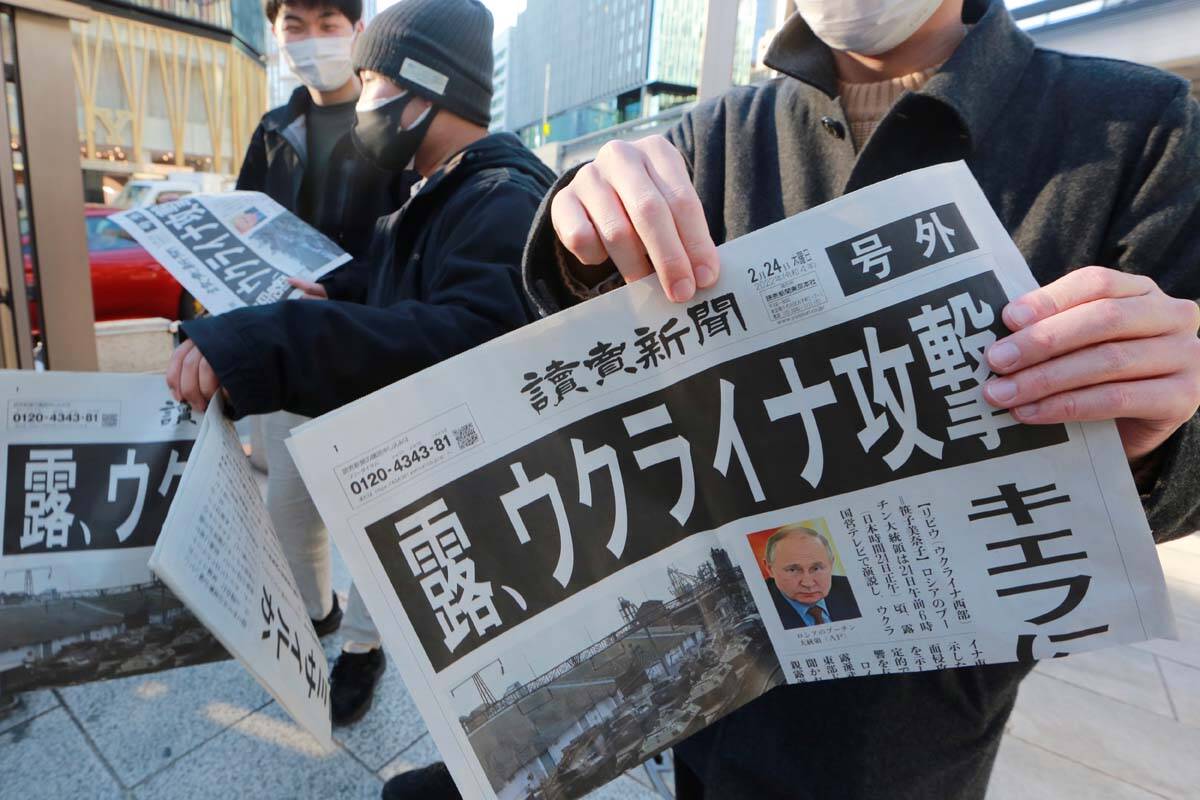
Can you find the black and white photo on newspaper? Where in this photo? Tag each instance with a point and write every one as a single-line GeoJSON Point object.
{"type": "Point", "coordinates": [233, 249]}
{"type": "Point", "coordinates": [591, 538]}
{"type": "Point", "coordinates": [90, 466]}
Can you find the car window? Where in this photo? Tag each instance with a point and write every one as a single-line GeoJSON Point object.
{"type": "Point", "coordinates": [131, 195]}
{"type": "Point", "coordinates": [103, 234]}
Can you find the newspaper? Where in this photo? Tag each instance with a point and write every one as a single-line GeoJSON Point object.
{"type": "Point", "coordinates": [90, 466]}
{"type": "Point", "coordinates": [590, 538]}
{"type": "Point", "coordinates": [234, 249]}
{"type": "Point", "coordinates": [219, 553]}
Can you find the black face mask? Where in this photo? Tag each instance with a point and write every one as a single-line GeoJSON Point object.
{"type": "Point", "coordinates": [381, 139]}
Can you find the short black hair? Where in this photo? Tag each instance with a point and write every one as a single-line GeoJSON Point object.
{"type": "Point", "coordinates": [352, 9]}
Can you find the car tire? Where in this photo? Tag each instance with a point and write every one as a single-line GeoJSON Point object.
{"type": "Point", "coordinates": [189, 307]}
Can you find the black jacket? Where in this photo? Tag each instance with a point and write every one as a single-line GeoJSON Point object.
{"type": "Point", "coordinates": [840, 602]}
{"type": "Point", "coordinates": [1086, 161]}
{"type": "Point", "coordinates": [444, 277]}
{"type": "Point", "coordinates": [275, 163]}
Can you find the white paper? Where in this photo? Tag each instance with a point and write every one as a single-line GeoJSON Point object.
{"type": "Point", "coordinates": [561, 534]}
{"type": "Point", "coordinates": [89, 463]}
{"type": "Point", "coordinates": [234, 249]}
{"type": "Point", "coordinates": [219, 553]}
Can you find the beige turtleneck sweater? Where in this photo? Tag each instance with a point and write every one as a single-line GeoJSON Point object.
{"type": "Point", "coordinates": [866, 104]}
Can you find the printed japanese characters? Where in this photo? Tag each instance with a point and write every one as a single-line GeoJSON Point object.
{"type": "Point", "coordinates": [219, 553]}
{"type": "Point", "coordinates": [91, 464]}
{"type": "Point", "coordinates": [232, 250]}
{"type": "Point", "coordinates": [800, 457]}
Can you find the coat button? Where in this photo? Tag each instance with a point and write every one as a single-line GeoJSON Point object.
{"type": "Point", "coordinates": [833, 127]}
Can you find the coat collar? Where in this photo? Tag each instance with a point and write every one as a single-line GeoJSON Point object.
{"type": "Point", "coordinates": [975, 82]}
{"type": "Point", "coordinates": [285, 115]}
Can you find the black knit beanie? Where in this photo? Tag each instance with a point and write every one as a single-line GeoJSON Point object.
{"type": "Point", "coordinates": [440, 49]}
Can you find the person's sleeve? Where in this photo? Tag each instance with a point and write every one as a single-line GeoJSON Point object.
{"type": "Point", "coordinates": [351, 281]}
{"type": "Point", "coordinates": [253, 174]}
{"type": "Point", "coordinates": [310, 357]}
{"type": "Point", "coordinates": [348, 282]}
{"type": "Point", "coordinates": [553, 278]}
{"type": "Point", "coordinates": [1156, 232]}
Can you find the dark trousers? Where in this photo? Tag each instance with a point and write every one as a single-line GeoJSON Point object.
{"type": "Point", "coordinates": [905, 737]}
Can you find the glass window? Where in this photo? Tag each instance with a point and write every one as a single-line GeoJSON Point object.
{"type": "Point", "coordinates": [104, 234]}
{"type": "Point", "coordinates": [132, 195]}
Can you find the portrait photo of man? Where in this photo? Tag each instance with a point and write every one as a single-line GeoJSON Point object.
{"type": "Point", "coordinates": [800, 565]}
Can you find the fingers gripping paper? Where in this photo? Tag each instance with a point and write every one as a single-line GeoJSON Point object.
{"type": "Point", "coordinates": [589, 539]}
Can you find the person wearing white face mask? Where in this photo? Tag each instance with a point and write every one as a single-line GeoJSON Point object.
{"type": "Point", "coordinates": [303, 157]}
{"type": "Point", "coordinates": [1093, 166]}
{"type": "Point", "coordinates": [443, 273]}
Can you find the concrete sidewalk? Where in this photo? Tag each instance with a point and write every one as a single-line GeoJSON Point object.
{"type": "Point", "coordinates": [1116, 724]}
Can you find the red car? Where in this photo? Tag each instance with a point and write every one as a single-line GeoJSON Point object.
{"type": "Point", "coordinates": [127, 283]}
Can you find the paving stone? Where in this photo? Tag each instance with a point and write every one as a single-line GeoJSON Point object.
{"type": "Point", "coordinates": [1186, 650]}
{"type": "Point", "coordinates": [1026, 772]}
{"type": "Point", "coordinates": [1122, 673]}
{"type": "Point", "coordinates": [1179, 564]}
{"type": "Point", "coordinates": [1185, 598]}
{"type": "Point", "coordinates": [47, 758]}
{"type": "Point", "coordinates": [263, 755]}
{"type": "Point", "coordinates": [419, 754]}
{"type": "Point", "coordinates": [142, 724]}
{"type": "Point", "coordinates": [1143, 748]}
{"type": "Point", "coordinates": [1183, 685]}
{"type": "Point", "coordinates": [29, 705]}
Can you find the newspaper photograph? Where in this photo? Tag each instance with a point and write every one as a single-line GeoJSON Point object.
{"type": "Point", "coordinates": [219, 553]}
{"type": "Point", "coordinates": [234, 249]}
{"type": "Point", "coordinates": [590, 538]}
{"type": "Point", "coordinates": [90, 467]}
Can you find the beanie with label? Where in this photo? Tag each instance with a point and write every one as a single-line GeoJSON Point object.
{"type": "Point", "coordinates": [439, 49]}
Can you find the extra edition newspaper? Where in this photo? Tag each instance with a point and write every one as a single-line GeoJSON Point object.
{"type": "Point", "coordinates": [592, 537]}
{"type": "Point", "coordinates": [219, 553]}
{"type": "Point", "coordinates": [91, 463]}
{"type": "Point", "coordinates": [234, 249]}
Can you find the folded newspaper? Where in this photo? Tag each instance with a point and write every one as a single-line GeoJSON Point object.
{"type": "Point", "coordinates": [234, 249]}
{"type": "Point", "coordinates": [90, 466]}
{"type": "Point", "coordinates": [219, 553]}
{"type": "Point", "coordinates": [590, 538]}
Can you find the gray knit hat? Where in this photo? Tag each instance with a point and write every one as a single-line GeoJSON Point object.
{"type": "Point", "coordinates": [440, 49]}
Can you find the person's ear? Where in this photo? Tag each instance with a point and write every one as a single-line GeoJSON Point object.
{"type": "Point", "coordinates": [359, 27]}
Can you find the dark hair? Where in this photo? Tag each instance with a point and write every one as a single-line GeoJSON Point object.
{"type": "Point", "coordinates": [351, 8]}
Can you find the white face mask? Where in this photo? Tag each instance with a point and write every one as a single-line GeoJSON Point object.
{"type": "Point", "coordinates": [869, 27]}
{"type": "Point", "coordinates": [321, 62]}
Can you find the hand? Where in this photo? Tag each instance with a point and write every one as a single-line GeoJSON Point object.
{"type": "Point", "coordinates": [636, 205]}
{"type": "Point", "coordinates": [310, 289]}
{"type": "Point", "coordinates": [190, 378]}
{"type": "Point", "coordinates": [1100, 344]}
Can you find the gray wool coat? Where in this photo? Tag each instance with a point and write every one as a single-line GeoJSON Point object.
{"type": "Point", "coordinates": [1086, 161]}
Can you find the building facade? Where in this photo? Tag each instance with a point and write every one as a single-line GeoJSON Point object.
{"type": "Point", "coordinates": [576, 66]}
{"type": "Point", "coordinates": [500, 49]}
{"type": "Point", "coordinates": [166, 87]}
